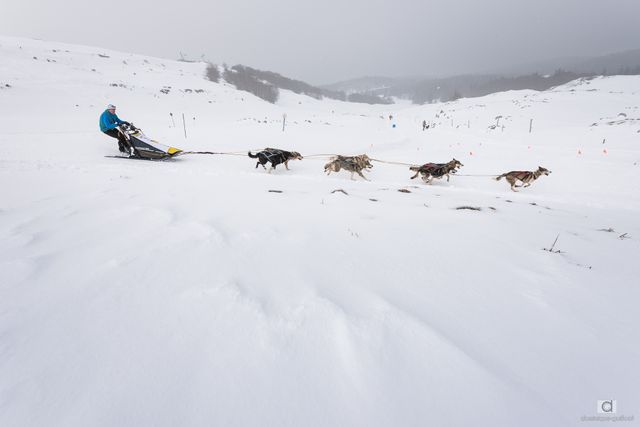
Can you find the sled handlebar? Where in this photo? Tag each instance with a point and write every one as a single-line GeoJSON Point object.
{"type": "Point", "coordinates": [128, 127]}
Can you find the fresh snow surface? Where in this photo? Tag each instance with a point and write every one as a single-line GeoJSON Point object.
{"type": "Point", "coordinates": [186, 293]}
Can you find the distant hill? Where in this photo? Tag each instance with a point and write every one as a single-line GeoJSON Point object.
{"type": "Point", "coordinates": [610, 64]}
{"type": "Point", "coordinates": [541, 75]}
{"type": "Point", "coordinates": [623, 63]}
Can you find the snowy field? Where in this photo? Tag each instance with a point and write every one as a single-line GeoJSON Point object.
{"type": "Point", "coordinates": [185, 292]}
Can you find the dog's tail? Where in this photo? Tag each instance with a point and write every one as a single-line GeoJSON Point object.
{"type": "Point", "coordinates": [497, 178]}
{"type": "Point", "coordinates": [253, 156]}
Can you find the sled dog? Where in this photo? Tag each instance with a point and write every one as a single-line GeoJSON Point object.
{"type": "Point", "coordinates": [353, 164]}
{"type": "Point", "coordinates": [436, 170]}
{"type": "Point", "coordinates": [275, 157]}
{"type": "Point", "coordinates": [526, 177]}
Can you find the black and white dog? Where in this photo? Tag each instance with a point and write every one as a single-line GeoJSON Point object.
{"type": "Point", "coordinates": [275, 157]}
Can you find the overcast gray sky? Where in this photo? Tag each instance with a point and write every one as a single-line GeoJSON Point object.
{"type": "Point", "coordinates": [329, 40]}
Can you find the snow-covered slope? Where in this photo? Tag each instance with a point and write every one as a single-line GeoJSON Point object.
{"type": "Point", "coordinates": [186, 293]}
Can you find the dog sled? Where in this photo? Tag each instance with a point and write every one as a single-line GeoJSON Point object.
{"type": "Point", "coordinates": [145, 147]}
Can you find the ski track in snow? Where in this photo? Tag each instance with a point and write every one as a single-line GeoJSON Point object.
{"type": "Point", "coordinates": [186, 293]}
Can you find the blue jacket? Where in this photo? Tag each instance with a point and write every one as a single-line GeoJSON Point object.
{"type": "Point", "coordinates": [109, 121]}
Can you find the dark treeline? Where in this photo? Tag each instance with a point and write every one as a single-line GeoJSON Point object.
{"type": "Point", "coordinates": [213, 73]}
{"type": "Point", "coordinates": [246, 81]}
{"type": "Point", "coordinates": [266, 85]}
{"type": "Point", "coordinates": [295, 86]}
{"type": "Point", "coordinates": [623, 71]}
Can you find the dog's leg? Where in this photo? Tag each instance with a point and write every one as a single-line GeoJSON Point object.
{"type": "Point", "coordinates": [414, 176]}
{"type": "Point", "coordinates": [363, 177]}
{"type": "Point", "coordinates": [352, 176]}
{"type": "Point", "coordinates": [286, 165]}
{"type": "Point", "coordinates": [257, 164]}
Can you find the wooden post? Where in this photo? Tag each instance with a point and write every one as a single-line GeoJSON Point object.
{"type": "Point", "coordinates": [530, 125]}
{"type": "Point", "coordinates": [284, 120]}
{"type": "Point", "coordinates": [184, 124]}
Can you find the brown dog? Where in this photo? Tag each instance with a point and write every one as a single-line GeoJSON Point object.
{"type": "Point", "coordinates": [436, 170]}
{"type": "Point", "coordinates": [525, 177]}
{"type": "Point", "coordinates": [353, 164]}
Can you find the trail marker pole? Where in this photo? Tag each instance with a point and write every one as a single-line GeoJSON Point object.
{"type": "Point", "coordinates": [184, 124]}
{"type": "Point", "coordinates": [530, 125]}
{"type": "Point", "coordinates": [172, 121]}
{"type": "Point", "coordinates": [284, 120]}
